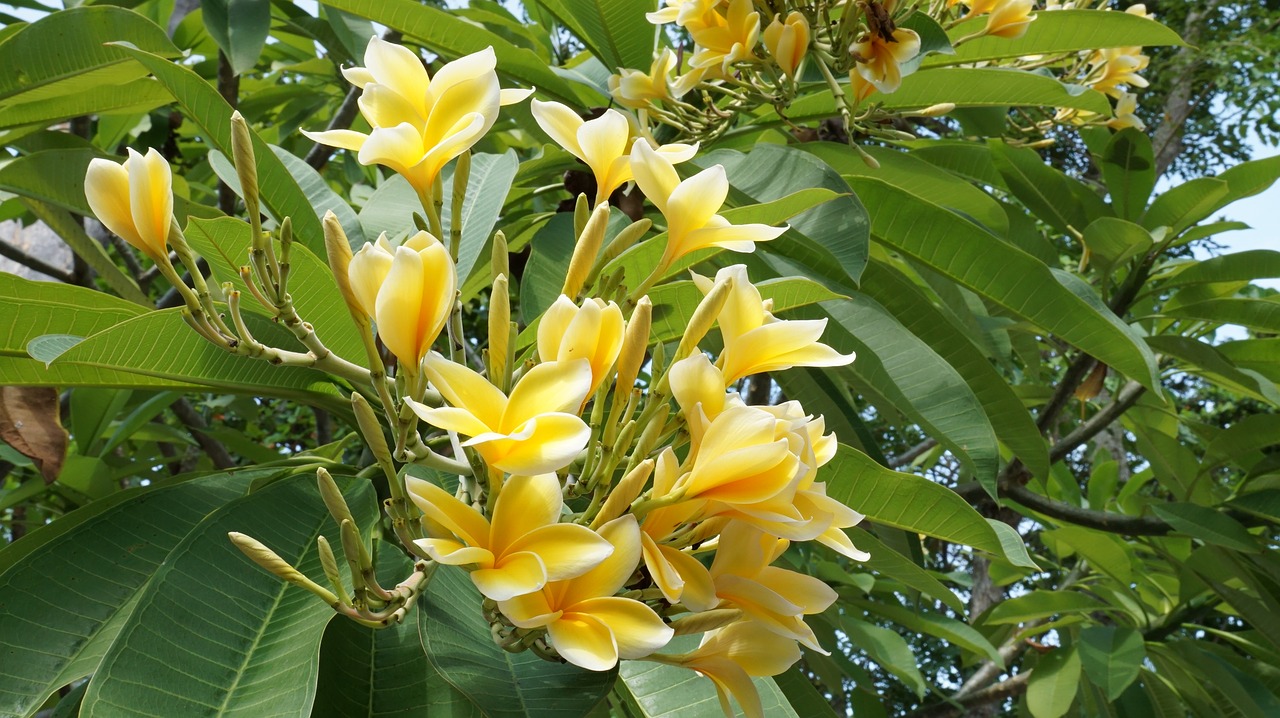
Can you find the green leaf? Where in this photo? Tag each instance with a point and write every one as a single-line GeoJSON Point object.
{"type": "Point", "coordinates": [64, 54]}
{"type": "Point", "coordinates": [615, 31]}
{"type": "Point", "coordinates": [487, 188]}
{"type": "Point", "coordinates": [47, 347]}
{"type": "Point", "coordinates": [655, 690]}
{"type": "Point", "coordinates": [1113, 242]}
{"type": "Point", "coordinates": [966, 87]}
{"type": "Point", "coordinates": [1040, 604]}
{"type": "Point", "coordinates": [1235, 267]}
{"type": "Point", "coordinates": [71, 230]}
{"type": "Point", "coordinates": [30, 309]}
{"type": "Point", "coordinates": [382, 672]}
{"type": "Point", "coordinates": [240, 28]}
{"type": "Point", "coordinates": [201, 102]}
{"type": "Point", "coordinates": [1015, 548]}
{"type": "Point", "coordinates": [1047, 192]}
{"type": "Point", "coordinates": [1007, 276]}
{"type": "Point", "coordinates": [517, 685]}
{"type": "Point", "coordinates": [894, 565]}
{"type": "Point", "coordinates": [1109, 554]}
{"type": "Point", "coordinates": [1057, 32]}
{"type": "Point", "coordinates": [1208, 525]}
{"type": "Point", "coordinates": [888, 649]}
{"type": "Point", "coordinates": [1054, 682]}
{"type": "Point", "coordinates": [838, 228]}
{"type": "Point", "coordinates": [966, 159]}
{"type": "Point", "coordinates": [906, 501]}
{"type": "Point", "coordinates": [1186, 204]}
{"type": "Point", "coordinates": [216, 634]}
{"type": "Point", "coordinates": [908, 172]}
{"type": "Point", "coordinates": [1111, 657]}
{"type": "Point", "coordinates": [138, 96]}
{"type": "Point", "coordinates": [1259, 314]}
{"type": "Point", "coordinates": [321, 197]}
{"type": "Point", "coordinates": [957, 633]}
{"type": "Point", "coordinates": [69, 586]}
{"type": "Point", "coordinates": [225, 243]}
{"type": "Point", "coordinates": [1129, 169]}
{"type": "Point", "coordinates": [1011, 421]}
{"type": "Point", "coordinates": [160, 344]}
{"type": "Point", "coordinates": [29, 176]}
{"type": "Point", "coordinates": [1206, 360]}
{"type": "Point", "coordinates": [454, 37]}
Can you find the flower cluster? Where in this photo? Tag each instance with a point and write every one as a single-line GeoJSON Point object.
{"type": "Point", "coordinates": [611, 492]}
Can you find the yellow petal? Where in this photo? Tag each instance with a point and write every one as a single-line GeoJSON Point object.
{"type": "Point", "coordinates": [747, 475]}
{"type": "Point", "coordinates": [663, 572]}
{"type": "Point", "coordinates": [150, 198]}
{"type": "Point", "coordinates": [439, 290]}
{"type": "Point", "coordinates": [731, 680]}
{"type": "Point", "coordinates": [611, 574]}
{"type": "Point", "coordinates": [699, 591]}
{"type": "Point", "coordinates": [514, 574]}
{"type": "Point", "coordinates": [744, 309]}
{"type": "Point", "coordinates": [366, 272]}
{"type": "Point", "coordinates": [530, 610]}
{"type": "Point", "coordinates": [567, 550]}
{"type": "Point", "coordinates": [838, 541]}
{"type": "Point", "coordinates": [732, 237]}
{"type": "Point", "coordinates": [398, 147]}
{"type": "Point", "coordinates": [465, 389]}
{"type": "Point", "coordinates": [450, 142]}
{"type": "Point", "coordinates": [358, 76]}
{"type": "Point", "coordinates": [448, 418]}
{"type": "Point", "coordinates": [511, 96]}
{"type": "Point", "coordinates": [106, 187]}
{"type": "Point", "coordinates": [397, 67]}
{"type": "Point", "coordinates": [553, 325]}
{"type": "Point", "coordinates": [751, 646]}
{"type": "Point", "coordinates": [637, 630]}
{"type": "Point", "coordinates": [548, 387]}
{"type": "Point", "coordinates": [584, 641]}
{"type": "Point", "coordinates": [696, 200]}
{"type": "Point", "coordinates": [526, 503]}
{"type": "Point", "coordinates": [452, 553]}
{"type": "Point", "coordinates": [807, 592]}
{"type": "Point", "coordinates": [548, 442]}
{"type": "Point", "coordinates": [654, 174]}
{"type": "Point", "coordinates": [560, 123]}
{"type": "Point", "coordinates": [696, 382]}
{"type": "Point", "coordinates": [441, 506]}
{"type": "Point", "coordinates": [462, 87]}
{"type": "Point", "coordinates": [342, 139]}
{"type": "Point", "coordinates": [603, 140]}
{"type": "Point", "coordinates": [397, 308]}
{"type": "Point", "coordinates": [382, 106]}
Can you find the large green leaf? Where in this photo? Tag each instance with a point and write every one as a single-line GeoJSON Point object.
{"type": "Point", "coordinates": [1054, 683]}
{"type": "Point", "coordinates": [1040, 604]}
{"type": "Point", "coordinates": [19, 371]}
{"type": "Point", "coordinates": [322, 198]}
{"type": "Point", "coordinates": [138, 96]}
{"type": "Point", "coordinates": [1057, 32]}
{"type": "Point", "coordinates": [955, 632]}
{"type": "Point", "coordinates": [67, 588]}
{"type": "Point", "coordinates": [966, 87]}
{"type": "Point", "coordinates": [1186, 204]}
{"type": "Point", "coordinates": [240, 28]}
{"type": "Point", "coordinates": [29, 309]}
{"type": "Point", "coordinates": [1010, 420]}
{"type": "Point", "coordinates": [838, 228]}
{"type": "Point", "coordinates": [30, 176]}
{"type": "Point", "coordinates": [1234, 267]}
{"type": "Point", "coordinates": [1208, 361]}
{"type": "Point", "coordinates": [71, 230]}
{"type": "Point", "coordinates": [1259, 314]}
{"type": "Point", "coordinates": [160, 344]}
{"type": "Point", "coordinates": [1129, 169]}
{"type": "Point", "coordinates": [906, 501]}
{"type": "Point", "coordinates": [519, 685]}
{"type": "Point", "coordinates": [202, 103]}
{"type": "Point", "coordinates": [1112, 242]}
{"type": "Point", "coordinates": [487, 188]}
{"type": "Point", "coordinates": [1007, 276]}
{"type": "Point", "coordinates": [63, 53]}
{"type": "Point", "coordinates": [615, 31]}
{"type": "Point", "coordinates": [372, 673]}
{"type": "Point", "coordinates": [1208, 525]}
{"type": "Point", "coordinates": [217, 635]}
{"type": "Point", "coordinates": [1111, 657]}
{"type": "Point", "coordinates": [1050, 194]}
{"type": "Point", "coordinates": [886, 647]}
{"type": "Point", "coordinates": [654, 690]}
{"type": "Point", "coordinates": [893, 565]}
{"type": "Point", "coordinates": [225, 243]}
{"type": "Point", "coordinates": [454, 37]}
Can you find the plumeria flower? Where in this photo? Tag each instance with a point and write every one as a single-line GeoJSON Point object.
{"type": "Point", "coordinates": [681, 577]}
{"type": "Point", "coordinates": [788, 41]}
{"type": "Point", "coordinates": [1010, 18]}
{"type": "Point", "coordinates": [521, 549]}
{"type": "Point", "coordinates": [1126, 113]}
{"type": "Point", "coordinates": [730, 656]}
{"type": "Point", "coordinates": [593, 332]}
{"type": "Point", "coordinates": [602, 143]}
{"type": "Point", "coordinates": [420, 123]}
{"type": "Point", "coordinates": [690, 207]}
{"type": "Point", "coordinates": [726, 39]}
{"type": "Point", "coordinates": [408, 290]}
{"type": "Point", "coordinates": [1116, 66]}
{"type": "Point", "coordinates": [588, 624]}
{"type": "Point", "coordinates": [742, 461]}
{"type": "Point", "coordinates": [755, 341]}
{"type": "Point", "coordinates": [535, 430]}
{"type": "Point", "coordinates": [134, 200]}
{"type": "Point", "coordinates": [638, 90]}
{"type": "Point", "coordinates": [880, 60]}
{"type": "Point", "coordinates": [776, 597]}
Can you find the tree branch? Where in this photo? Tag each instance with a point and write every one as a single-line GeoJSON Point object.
{"type": "Point", "coordinates": [192, 420]}
{"type": "Point", "coordinates": [8, 251]}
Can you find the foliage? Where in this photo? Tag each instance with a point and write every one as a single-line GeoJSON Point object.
{"type": "Point", "coordinates": [1068, 470]}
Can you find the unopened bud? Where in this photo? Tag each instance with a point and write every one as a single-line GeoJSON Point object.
{"type": "Point", "coordinates": [706, 621]}
{"type": "Point", "coordinates": [590, 239]}
{"type": "Point", "coordinates": [704, 317]}
{"type": "Point", "coordinates": [338, 248]}
{"type": "Point", "coordinates": [626, 491]}
{"type": "Point", "coordinates": [499, 332]}
{"type": "Point", "coordinates": [371, 429]}
{"type": "Point", "coordinates": [500, 261]}
{"type": "Point", "coordinates": [269, 560]}
{"type": "Point", "coordinates": [938, 110]}
{"type": "Point", "coordinates": [329, 564]}
{"type": "Point", "coordinates": [332, 497]}
{"type": "Point", "coordinates": [353, 547]}
{"type": "Point", "coordinates": [245, 162]}
{"type": "Point", "coordinates": [634, 345]}
{"type": "Point", "coordinates": [581, 213]}
{"type": "Point", "coordinates": [622, 242]}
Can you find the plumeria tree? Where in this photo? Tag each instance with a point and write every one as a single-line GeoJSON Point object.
{"type": "Point", "coordinates": [706, 358]}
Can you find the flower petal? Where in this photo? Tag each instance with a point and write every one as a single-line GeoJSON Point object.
{"type": "Point", "coordinates": [525, 503]}
{"type": "Point", "coordinates": [696, 200]}
{"type": "Point", "coordinates": [567, 550]}
{"type": "Point", "coordinates": [584, 641]}
{"type": "Point", "coordinates": [513, 574]}
{"type": "Point", "coordinates": [637, 630]}
{"type": "Point", "coordinates": [398, 68]}
{"type": "Point", "coordinates": [398, 147]}
{"type": "Point", "coordinates": [553, 441]}
{"type": "Point", "coordinates": [150, 198]}
{"type": "Point", "coordinates": [441, 506]}
{"type": "Point", "coordinates": [529, 611]}
{"type": "Point", "coordinates": [343, 139]}
{"type": "Point", "coordinates": [560, 123]}
{"type": "Point", "coordinates": [654, 174]}
{"type": "Point", "coordinates": [807, 592]}
{"type": "Point", "coordinates": [549, 387]}
{"type": "Point", "coordinates": [603, 140]}
{"type": "Point", "coordinates": [611, 574]}
{"type": "Point", "coordinates": [452, 553]}
{"type": "Point", "coordinates": [106, 187]}
{"type": "Point", "coordinates": [465, 389]}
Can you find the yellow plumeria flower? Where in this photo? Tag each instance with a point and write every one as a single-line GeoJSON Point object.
{"type": "Point", "coordinates": [730, 656]}
{"type": "Point", "coordinates": [690, 207]}
{"type": "Point", "coordinates": [680, 576]}
{"type": "Point", "coordinates": [1116, 66]}
{"type": "Point", "coordinates": [741, 461]}
{"type": "Point", "coordinates": [588, 625]}
{"type": "Point", "coordinates": [689, 14]}
{"type": "Point", "coordinates": [602, 143]}
{"type": "Point", "coordinates": [420, 123]}
{"type": "Point", "coordinates": [788, 41]}
{"type": "Point", "coordinates": [755, 341]}
{"type": "Point", "coordinates": [725, 39]}
{"type": "Point", "coordinates": [521, 549]}
{"type": "Point", "coordinates": [1010, 18]}
{"type": "Point", "coordinates": [133, 200]}
{"type": "Point", "coordinates": [593, 332]}
{"type": "Point", "coordinates": [698, 388]}
{"type": "Point", "coordinates": [534, 431]}
{"type": "Point", "coordinates": [880, 60]}
{"type": "Point", "coordinates": [776, 597]}
{"type": "Point", "coordinates": [1126, 113]}
{"type": "Point", "coordinates": [637, 89]}
{"type": "Point", "coordinates": [408, 290]}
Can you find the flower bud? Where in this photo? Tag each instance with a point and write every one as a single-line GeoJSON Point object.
{"type": "Point", "coordinates": [134, 200]}
{"type": "Point", "coordinates": [586, 250]}
{"type": "Point", "coordinates": [338, 249]}
{"type": "Point", "coordinates": [245, 162]}
{"type": "Point", "coordinates": [332, 497]}
{"type": "Point", "coordinates": [499, 332]}
{"type": "Point", "coordinates": [788, 41]}
{"type": "Point", "coordinates": [621, 496]}
{"type": "Point", "coordinates": [269, 560]}
{"type": "Point", "coordinates": [634, 346]}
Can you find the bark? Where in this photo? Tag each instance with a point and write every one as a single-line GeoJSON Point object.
{"type": "Point", "coordinates": [1182, 98]}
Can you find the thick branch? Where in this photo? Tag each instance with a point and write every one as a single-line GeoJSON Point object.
{"type": "Point", "coordinates": [912, 454]}
{"type": "Point", "coordinates": [1179, 103]}
{"type": "Point", "coordinates": [212, 447]}
{"type": "Point", "coordinates": [10, 252]}
{"type": "Point", "coordinates": [1010, 688]}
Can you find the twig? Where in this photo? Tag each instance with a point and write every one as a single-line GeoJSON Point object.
{"type": "Point", "coordinates": [192, 420]}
